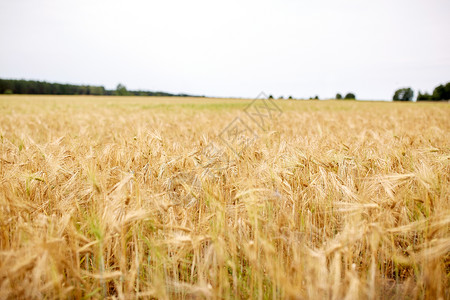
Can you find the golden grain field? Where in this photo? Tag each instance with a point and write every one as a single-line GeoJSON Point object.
{"type": "Point", "coordinates": [124, 197]}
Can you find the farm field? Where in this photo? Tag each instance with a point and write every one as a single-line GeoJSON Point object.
{"type": "Point", "coordinates": [182, 198]}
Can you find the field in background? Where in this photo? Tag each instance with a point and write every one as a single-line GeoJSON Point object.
{"type": "Point", "coordinates": [122, 196]}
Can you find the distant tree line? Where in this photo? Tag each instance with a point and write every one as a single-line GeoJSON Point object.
{"type": "Point", "coordinates": [12, 86]}
{"type": "Point", "coordinates": [440, 93]}
{"type": "Point", "coordinates": [121, 90]}
{"type": "Point", "coordinates": [348, 96]}
{"type": "Point", "coordinates": [42, 87]}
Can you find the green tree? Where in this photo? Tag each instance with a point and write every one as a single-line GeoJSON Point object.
{"type": "Point", "coordinates": [441, 92]}
{"type": "Point", "coordinates": [447, 91]}
{"type": "Point", "coordinates": [121, 90]}
{"type": "Point", "coordinates": [290, 98]}
{"type": "Point", "coordinates": [350, 96]}
{"type": "Point", "coordinates": [270, 97]}
{"type": "Point", "coordinates": [404, 94]}
{"type": "Point", "coordinates": [423, 97]}
{"type": "Point", "coordinates": [338, 96]}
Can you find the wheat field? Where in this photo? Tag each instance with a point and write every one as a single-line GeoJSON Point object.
{"type": "Point", "coordinates": [124, 197]}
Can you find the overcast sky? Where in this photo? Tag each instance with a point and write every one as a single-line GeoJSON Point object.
{"type": "Point", "coordinates": [230, 48]}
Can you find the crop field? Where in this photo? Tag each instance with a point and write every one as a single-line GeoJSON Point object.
{"type": "Point", "coordinates": [193, 198]}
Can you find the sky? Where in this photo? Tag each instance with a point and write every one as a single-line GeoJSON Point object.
{"type": "Point", "coordinates": [233, 48]}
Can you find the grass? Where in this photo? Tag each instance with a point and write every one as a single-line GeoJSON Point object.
{"type": "Point", "coordinates": [122, 197]}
